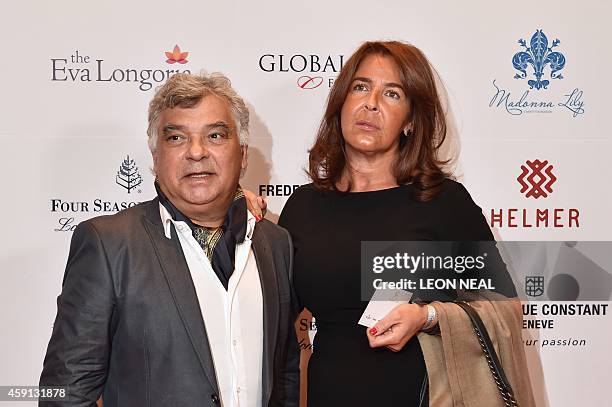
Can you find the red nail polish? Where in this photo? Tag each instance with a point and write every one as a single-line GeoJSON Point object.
{"type": "Point", "coordinates": [373, 331]}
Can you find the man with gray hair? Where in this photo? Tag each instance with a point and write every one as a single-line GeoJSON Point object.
{"type": "Point", "coordinates": [183, 300]}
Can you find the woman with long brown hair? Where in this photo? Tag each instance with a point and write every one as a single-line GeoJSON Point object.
{"type": "Point", "coordinates": [376, 174]}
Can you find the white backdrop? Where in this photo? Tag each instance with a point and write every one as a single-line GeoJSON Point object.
{"type": "Point", "coordinates": [72, 110]}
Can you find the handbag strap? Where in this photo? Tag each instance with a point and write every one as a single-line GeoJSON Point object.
{"type": "Point", "coordinates": [495, 366]}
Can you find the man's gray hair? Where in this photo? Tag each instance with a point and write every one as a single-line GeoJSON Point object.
{"type": "Point", "coordinates": [187, 90]}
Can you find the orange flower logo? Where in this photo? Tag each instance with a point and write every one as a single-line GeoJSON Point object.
{"type": "Point", "coordinates": [176, 56]}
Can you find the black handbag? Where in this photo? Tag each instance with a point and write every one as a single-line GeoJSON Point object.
{"type": "Point", "coordinates": [495, 366]}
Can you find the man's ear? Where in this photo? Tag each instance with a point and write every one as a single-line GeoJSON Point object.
{"type": "Point", "coordinates": [245, 157]}
{"type": "Point", "coordinates": [154, 156]}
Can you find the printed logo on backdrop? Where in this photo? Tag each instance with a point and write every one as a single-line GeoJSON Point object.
{"type": "Point", "coordinates": [128, 176]}
{"type": "Point", "coordinates": [537, 56]}
{"type": "Point", "coordinates": [176, 56]}
{"type": "Point", "coordinates": [70, 212]}
{"type": "Point", "coordinates": [309, 72]}
{"type": "Point", "coordinates": [538, 85]}
{"type": "Point", "coordinates": [535, 180]}
{"type": "Point", "coordinates": [534, 286]}
{"type": "Point", "coordinates": [277, 189]}
{"type": "Point", "coordinates": [307, 332]}
{"type": "Point", "coordinates": [564, 282]}
{"type": "Point", "coordinates": [310, 82]}
{"type": "Point", "coordinates": [84, 67]}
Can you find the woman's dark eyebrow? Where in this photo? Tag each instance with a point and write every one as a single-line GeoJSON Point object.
{"type": "Point", "coordinates": [368, 80]}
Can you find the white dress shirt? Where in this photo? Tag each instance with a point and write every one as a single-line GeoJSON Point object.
{"type": "Point", "coordinates": [233, 318]}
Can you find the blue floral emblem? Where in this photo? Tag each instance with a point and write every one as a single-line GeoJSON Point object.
{"type": "Point", "coordinates": [538, 55]}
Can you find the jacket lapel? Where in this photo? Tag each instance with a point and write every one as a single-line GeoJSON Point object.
{"type": "Point", "coordinates": [269, 286]}
{"type": "Point", "coordinates": [175, 269]}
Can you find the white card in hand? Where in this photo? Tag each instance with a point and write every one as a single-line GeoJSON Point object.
{"type": "Point", "coordinates": [382, 302]}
